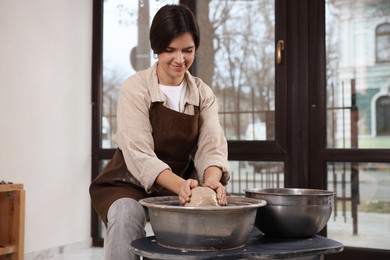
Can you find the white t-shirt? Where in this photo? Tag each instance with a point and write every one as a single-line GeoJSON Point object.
{"type": "Point", "coordinates": [175, 96]}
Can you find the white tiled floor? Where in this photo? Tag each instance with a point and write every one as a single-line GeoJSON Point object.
{"type": "Point", "coordinates": [86, 253]}
{"type": "Point", "coordinates": [75, 253]}
{"type": "Point", "coordinates": [95, 253]}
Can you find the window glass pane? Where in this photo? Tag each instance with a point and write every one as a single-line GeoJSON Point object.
{"type": "Point", "coordinates": [254, 174]}
{"type": "Point", "coordinates": [126, 49]}
{"type": "Point", "coordinates": [383, 43]}
{"type": "Point", "coordinates": [357, 114]}
{"type": "Point", "coordinates": [361, 213]}
{"type": "Point", "coordinates": [236, 58]}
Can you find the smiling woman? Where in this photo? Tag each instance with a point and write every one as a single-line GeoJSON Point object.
{"type": "Point", "coordinates": [169, 137]}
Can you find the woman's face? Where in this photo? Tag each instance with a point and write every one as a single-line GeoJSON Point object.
{"type": "Point", "coordinates": [175, 60]}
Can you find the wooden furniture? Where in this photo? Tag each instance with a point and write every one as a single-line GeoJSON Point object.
{"type": "Point", "coordinates": [12, 213]}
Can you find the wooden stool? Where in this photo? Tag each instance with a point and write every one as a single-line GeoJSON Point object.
{"type": "Point", "coordinates": [12, 213]}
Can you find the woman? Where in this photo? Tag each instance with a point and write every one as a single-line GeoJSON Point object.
{"type": "Point", "coordinates": [169, 137]}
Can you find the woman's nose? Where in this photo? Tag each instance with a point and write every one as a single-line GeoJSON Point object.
{"type": "Point", "coordinates": [179, 57]}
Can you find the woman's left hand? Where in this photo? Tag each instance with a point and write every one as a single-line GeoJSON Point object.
{"type": "Point", "coordinates": [219, 189]}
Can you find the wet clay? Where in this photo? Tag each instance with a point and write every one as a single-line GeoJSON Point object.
{"type": "Point", "coordinates": [202, 196]}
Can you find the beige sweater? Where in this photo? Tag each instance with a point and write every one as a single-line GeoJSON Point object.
{"type": "Point", "coordinates": [134, 133]}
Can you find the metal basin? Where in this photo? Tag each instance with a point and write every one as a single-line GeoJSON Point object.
{"type": "Point", "coordinates": [202, 228]}
{"type": "Point", "coordinates": [292, 213]}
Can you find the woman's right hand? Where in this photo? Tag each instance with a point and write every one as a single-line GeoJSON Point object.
{"type": "Point", "coordinates": [185, 190]}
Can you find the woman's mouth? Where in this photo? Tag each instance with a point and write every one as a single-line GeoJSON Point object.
{"type": "Point", "coordinates": [178, 68]}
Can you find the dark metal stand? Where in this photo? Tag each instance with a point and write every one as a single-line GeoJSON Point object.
{"type": "Point", "coordinates": [258, 246]}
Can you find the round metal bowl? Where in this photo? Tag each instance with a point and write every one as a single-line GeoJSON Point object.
{"type": "Point", "coordinates": [202, 228]}
{"type": "Point", "coordinates": [292, 213]}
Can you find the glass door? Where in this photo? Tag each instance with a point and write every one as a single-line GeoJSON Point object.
{"type": "Point", "coordinates": [358, 121]}
{"type": "Point", "coordinates": [303, 88]}
{"type": "Point", "coordinates": [236, 58]}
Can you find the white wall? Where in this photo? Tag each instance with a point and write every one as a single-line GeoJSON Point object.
{"type": "Point", "coordinates": [45, 127]}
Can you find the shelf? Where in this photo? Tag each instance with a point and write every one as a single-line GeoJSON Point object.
{"type": "Point", "coordinates": [12, 214]}
{"type": "Point", "coordinates": [10, 187]}
{"type": "Point", "coordinates": [7, 249]}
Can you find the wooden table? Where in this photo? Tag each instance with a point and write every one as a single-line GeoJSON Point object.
{"type": "Point", "coordinates": [12, 213]}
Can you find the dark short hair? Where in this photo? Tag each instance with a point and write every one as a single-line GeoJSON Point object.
{"type": "Point", "coordinates": [169, 22]}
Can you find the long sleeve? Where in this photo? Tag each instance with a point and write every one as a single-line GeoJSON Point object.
{"type": "Point", "coordinates": [134, 133]}
{"type": "Point", "coordinates": [212, 144]}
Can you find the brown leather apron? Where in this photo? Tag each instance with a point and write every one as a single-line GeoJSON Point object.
{"type": "Point", "coordinates": [175, 137]}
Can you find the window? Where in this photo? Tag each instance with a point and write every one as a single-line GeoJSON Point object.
{"type": "Point", "coordinates": [236, 58]}
{"type": "Point", "coordinates": [383, 116]}
{"type": "Point", "coordinates": [354, 118]}
{"type": "Point", "coordinates": [383, 43]}
{"type": "Point", "coordinates": [357, 107]}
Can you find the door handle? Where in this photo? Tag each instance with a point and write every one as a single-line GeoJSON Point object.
{"type": "Point", "coordinates": [279, 49]}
